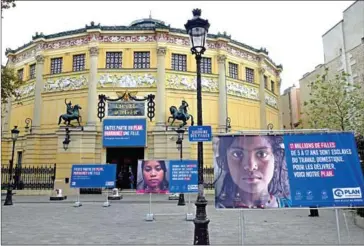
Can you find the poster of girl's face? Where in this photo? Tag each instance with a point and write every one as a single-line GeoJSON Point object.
{"type": "Point", "coordinates": [250, 172]}
{"type": "Point", "coordinates": [152, 176]}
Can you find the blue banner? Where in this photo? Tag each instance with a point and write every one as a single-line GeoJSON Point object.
{"type": "Point", "coordinates": [200, 133]}
{"type": "Point", "coordinates": [324, 170]}
{"type": "Point", "coordinates": [293, 170]}
{"type": "Point", "coordinates": [124, 132]}
{"type": "Point", "coordinates": [93, 176]}
{"type": "Point", "coordinates": [183, 176]}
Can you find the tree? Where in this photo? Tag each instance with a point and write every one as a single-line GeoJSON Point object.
{"type": "Point", "coordinates": [7, 4]}
{"type": "Point", "coordinates": [335, 104]}
{"type": "Point", "coordinates": [9, 83]}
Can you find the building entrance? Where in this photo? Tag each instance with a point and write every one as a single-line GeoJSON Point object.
{"type": "Point", "coordinates": [126, 160]}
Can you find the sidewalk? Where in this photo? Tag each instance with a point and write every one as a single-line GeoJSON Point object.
{"type": "Point", "coordinates": [123, 223]}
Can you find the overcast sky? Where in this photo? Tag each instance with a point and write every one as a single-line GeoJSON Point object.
{"type": "Point", "coordinates": [291, 31]}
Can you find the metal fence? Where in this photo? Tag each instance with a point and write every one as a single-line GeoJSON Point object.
{"type": "Point", "coordinates": [208, 177]}
{"type": "Point", "coordinates": [29, 177]}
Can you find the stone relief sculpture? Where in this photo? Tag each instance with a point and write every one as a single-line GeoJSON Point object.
{"type": "Point", "coordinates": [242, 90]}
{"type": "Point", "coordinates": [127, 80]}
{"type": "Point", "coordinates": [25, 91]}
{"type": "Point", "coordinates": [187, 83]}
{"type": "Point", "coordinates": [65, 83]}
{"type": "Point", "coordinates": [271, 101]}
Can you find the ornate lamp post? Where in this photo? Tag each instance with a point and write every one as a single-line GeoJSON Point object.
{"type": "Point", "coordinates": [179, 143]}
{"type": "Point", "coordinates": [27, 122]}
{"type": "Point", "coordinates": [9, 193]}
{"type": "Point", "coordinates": [197, 28]}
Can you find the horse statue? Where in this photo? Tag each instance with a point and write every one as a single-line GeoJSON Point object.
{"type": "Point", "coordinates": [74, 115]}
{"type": "Point", "coordinates": [180, 114]}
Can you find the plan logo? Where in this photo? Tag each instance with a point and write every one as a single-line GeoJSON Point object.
{"type": "Point", "coordinates": [192, 187]}
{"type": "Point", "coordinates": [346, 193]}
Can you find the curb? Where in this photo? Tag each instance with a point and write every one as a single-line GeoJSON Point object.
{"type": "Point", "coordinates": [359, 221]}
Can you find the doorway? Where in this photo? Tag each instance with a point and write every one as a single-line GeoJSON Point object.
{"type": "Point", "coordinates": [126, 160]}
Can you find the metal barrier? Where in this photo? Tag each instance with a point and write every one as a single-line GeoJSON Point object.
{"type": "Point", "coordinates": [208, 177]}
{"type": "Point", "coordinates": [29, 177]}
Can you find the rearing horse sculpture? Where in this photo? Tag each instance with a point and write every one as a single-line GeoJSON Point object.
{"type": "Point", "coordinates": [74, 116]}
{"type": "Point", "coordinates": [180, 114]}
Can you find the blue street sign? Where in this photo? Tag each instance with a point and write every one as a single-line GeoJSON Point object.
{"type": "Point", "coordinates": [93, 176]}
{"type": "Point", "coordinates": [200, 133]}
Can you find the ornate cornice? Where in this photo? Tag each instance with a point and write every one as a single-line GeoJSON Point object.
{"type": "Point", "coordinates": [213, 40]}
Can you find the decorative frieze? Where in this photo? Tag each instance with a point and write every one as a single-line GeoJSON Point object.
{"type": "Point", "coordinates": [127, 80]}
{"type": "Point", "coordinates": [181, 82]}
{"type": "Point", "coordinates": [241, 90]}
{"type": "Point", "coordinates": [268, 68]}
{"type": "Point", "coordinates": [25, 91]}
{"type": "Point", "coordinates": [271, 101]}
{"type": "Point", "coordinates": [126, 39]}
{"type": "Point", "coordinates": [65, 83]}
{"type": "Point", "coordinates": [67, 43]}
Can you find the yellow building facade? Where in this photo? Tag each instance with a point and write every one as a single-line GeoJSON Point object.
{"type": "Point", "coordinates": [147, 57]}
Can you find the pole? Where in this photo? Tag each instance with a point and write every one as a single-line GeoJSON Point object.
{"type": "Point", "coordinates": [201, 222]}
{"type": "Point", "coordinates": [338, 226]}
{"type": "Point", "coordinates": [9, 193]}
{"type": "Point", "coordinates": [181, 197]}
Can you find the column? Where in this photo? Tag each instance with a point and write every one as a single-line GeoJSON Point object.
{"type": "Point", "coordinates": [39, 85]}
{"type": "Point", "coordinates": [221, 59]}
{"type": "Point", "coordinates": [161, 87]}
{"type": "Point", "coordinates": [92, 88]}
{"type": "Point", "coordinates": [279, 102]}
{"type": "Point", "coordinates": [263, 114]}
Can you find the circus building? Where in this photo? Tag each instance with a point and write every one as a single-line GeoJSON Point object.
{"type": "Point", "coordinates": [145, 64]}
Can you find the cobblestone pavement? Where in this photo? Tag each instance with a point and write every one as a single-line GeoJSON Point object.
{"type": "Point", "coordinates": [123, 223]}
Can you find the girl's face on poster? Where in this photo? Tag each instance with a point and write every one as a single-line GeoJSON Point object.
{"type": "Point", "coordinates": [153, 173]}
{"type": "Point", "coordinates": [251, 163]}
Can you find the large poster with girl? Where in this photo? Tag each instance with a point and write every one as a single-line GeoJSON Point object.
{"type": "Point", "coordinates": [280, 171]}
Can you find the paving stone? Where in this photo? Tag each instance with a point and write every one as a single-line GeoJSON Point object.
{"type": "Point", "coordinates": [123, 223]}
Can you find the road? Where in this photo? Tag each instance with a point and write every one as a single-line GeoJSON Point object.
{"type": "Point", "coordinates": [36, 221]}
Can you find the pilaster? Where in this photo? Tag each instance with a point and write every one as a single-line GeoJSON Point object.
{"type": "Point", "coordinates": [263, 113]}
{"type": "Point", "coordinates": [39, 85]}
{"type": "Point", "coordinates": [161, 88]}
{"type": "Point", "coordinates": [279, 102]}
{"type": "Point", "coordinates": [221, 59]}
{"type": "Point", "coordinates": [92, 89]}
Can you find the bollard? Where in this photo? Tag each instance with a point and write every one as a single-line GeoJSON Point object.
{"type": "Point", "coordinates": [181, 200]}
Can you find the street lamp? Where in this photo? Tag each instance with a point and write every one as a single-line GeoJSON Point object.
{"type": "Point", "coordinates": [67, 139]}
{"type": "Point", "coordinates": [27, 122]}
{"type": "Point", "coordinates": [9, 193]}
{"type": "Point", "coordinates": [197, 29]}
{"type": "Point", "coordinates": [179, 143]}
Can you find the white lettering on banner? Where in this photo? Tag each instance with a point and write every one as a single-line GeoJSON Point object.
{"type": "Point", "coordinates": [346, 193]}
{"type": "Point", "coordinates": [200, 134]}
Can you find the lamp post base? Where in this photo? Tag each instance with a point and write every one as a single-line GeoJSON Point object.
{"type": "Point", "coordinates": [9, 198]}
{"type": "Point", "coordinates": [201, 222]}
{"type": "Point", "coordinates": [181, 200]}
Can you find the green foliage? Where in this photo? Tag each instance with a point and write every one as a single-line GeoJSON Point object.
{"type": "Point", "coordinates": [9, 82]}
{"type": "Point", "coordinates": [335, 104]}
{"type": "Point", "coordinates": [7, 4]}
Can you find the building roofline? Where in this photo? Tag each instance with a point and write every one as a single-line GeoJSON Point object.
{"type": "Point", "coordinates": [342, 20]}
{"type": "Point", "coordinates": [93, 26]}
{"type": "Point", "coordinates": [351, 5]}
